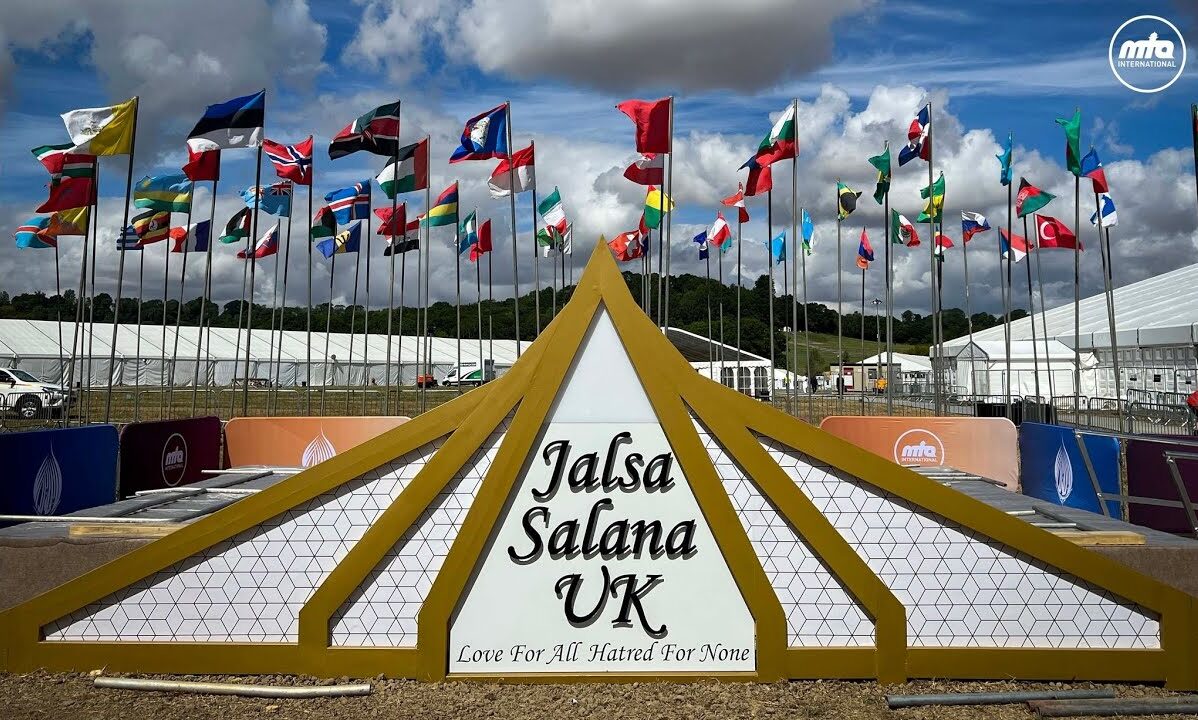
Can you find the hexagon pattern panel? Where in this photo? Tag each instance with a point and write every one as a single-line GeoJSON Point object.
{"type": "Point", "coordinates": [819, 611]}
{"type": "Point", "coordinates": [962, 589]}
{"type": "Point", "coordinates": [251, 587]}
{"type": "Point", "coordinates": [382, 611]}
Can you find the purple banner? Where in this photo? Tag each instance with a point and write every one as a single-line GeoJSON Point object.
{"type": "Point", "coordinates": [1148, 476]}
{"type": "Point", "coordinates": [168, 453]}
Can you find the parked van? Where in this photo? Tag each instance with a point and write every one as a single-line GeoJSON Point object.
{"type": "Point", "coordinates": [470, 373]}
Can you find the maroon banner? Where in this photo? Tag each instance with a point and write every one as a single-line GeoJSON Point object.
{"type": "Point", "coordinates": [1148, 475]}
{"type": "Point", "coordinates": [168, 453]}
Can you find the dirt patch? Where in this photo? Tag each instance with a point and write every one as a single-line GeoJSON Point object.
{"type": "Point", "coordinates": [46, 695]}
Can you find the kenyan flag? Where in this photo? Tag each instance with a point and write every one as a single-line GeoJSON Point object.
{"type": "Point", "coordinates": [1030, 198]}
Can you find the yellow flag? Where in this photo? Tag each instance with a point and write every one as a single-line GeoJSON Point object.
{"type": "Point", "coordinates": [72, 222]}
{"type": "Point", "coordinates": [657, 203]}
{"type": "Point", "coordinates": [103, 130]}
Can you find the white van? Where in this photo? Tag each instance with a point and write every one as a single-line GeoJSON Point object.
{"type": "Point", "coordinates": [27, 396]}
{"type": "Point", "coordinates": [470, 373]}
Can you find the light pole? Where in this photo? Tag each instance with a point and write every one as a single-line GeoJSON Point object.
{"type": "Point", "coordinates": [878, 332]}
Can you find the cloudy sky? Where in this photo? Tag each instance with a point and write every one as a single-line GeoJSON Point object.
{"type": "Point", "coordinates": [859, 68]}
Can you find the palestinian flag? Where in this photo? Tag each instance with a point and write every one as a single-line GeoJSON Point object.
{"type": "Point", "coordinates": [902, 232]}
{"type": "Point", "coordinates": [407, 172]}
{"type": "Point", "coordinates": [881, 161]}
{"type": "Point", "coordinates": [846, 200]}
{"type": "Point", "coordinates": [657, 204]}
{"type": "Point", "coordinates": [375, 132]}
{"type": "Point", "coordinates": [238, 227]}
{"type": "Point", "coordinates": [1030, 198]}
{"type": "Point", "coordinates": [62, 164]}
{"type": "Point", "coordinates": [324, 224]}
{"type": "Point", "coordinates": [781, 143]}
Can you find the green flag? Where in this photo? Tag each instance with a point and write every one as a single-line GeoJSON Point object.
{"type": "Point", "coordinates": [934, 207]}
{"type": "Point", "coordinates": [1073, 127]}
{"type": "Point", "coordinates": [846, 200]}
{"type": "Point", "coordinates": [882, 163]}
{"type": "Point", "coordinates": [902, 232]}
{"type": "Point", "coordinates": [937, 188]}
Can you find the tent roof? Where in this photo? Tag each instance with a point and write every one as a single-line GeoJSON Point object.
{"type": "Point", "coordinates": [908, 362]}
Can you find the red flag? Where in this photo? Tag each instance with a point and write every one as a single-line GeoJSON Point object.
{"type": "Point", "coordinates": [652, 118]}
{"type": "Point", "coordinates": [626, 246]}
{"type": "Point", "coordinates": [70, 193]}
{"type": "Point", "coordinates": [943, 242]}
{"type": "Point", "coordinates": [478, 249]}
{"type": "Point", "coordinates": [761, 180]}
{"type": "Point", "coordinates": [1052, 233]}
{"type": "Point", "coordinates": [202, 166]}
{"type": "Point", "coordinates": [738, 201]}
{"type": "Point", "coordinates": [648, 169]}
{"type": "Point", "coordinates": [389, 224]}
{"type": "Point", "coordinates": [292, 162]}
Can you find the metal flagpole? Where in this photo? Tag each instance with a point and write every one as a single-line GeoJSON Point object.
{"type": "Point", "coordinates": [428, 352]}
{"type": "Point", "coordinates": [490, 308]}
{"type": "Point", "coordinates": [863, 353]}
{"type": "Point", "coordinates": [797, 244]}
{"type": "Point", "coordinates": [739, 285]}
{"type": "Point", "coordinates": [839, 379]}
{"type": "Point", "coordinates": [661, 274]}
{"type": "Point", "coordinates": [785, 293]}
{"type": "Point", "coordinates": [536, 250]}
{"type": "Point", "coordinates": [1109, 280]}
{"type": "Point", "coordinates": [245, 275]}
{"type": "Point", "coordinates": [932, 268]}
{"type": "Point", "coordinates": [403, 271]}
{"type": "Point", "coordinates": [249, 311]}
{"type": "Point", "coordinates": [887, 240]}
{"type": "Point", "coordinates": [422, 259]}
{"type": "Point", "coordinates": [1031, 309]}
{"type": "Point", "coordinates": [1044, 332]}
{"type": "Point", "coordinates": [1077, 296]}
{"type": "Point", "coordinates": [807, 340]}
{"type": "Point", "coordinates": [91, 295]}
{"type": "Point", "coordinates": [353, 321]}
{"type": "Point", "coordinates": [283, 304]}
{"type": "Point", "coordinates": [707, 285]}
{"type": "Point", "coordinates": [308, 343]}
{"type": "Point", "coordinates": [328, 330]}
{"type": "Point", "coordinates": [170, 402]}
{"type": "Point", "coordinates": [141, 277]}
{"type": "Point", "coordinates": [366, 310]}
{"type": "Point", "coordinates": [120, 273]}
{"type": "Point", "coordinates": [669, 219]}
{"type": "Point", "coordinates": [396, 241]}
{"type": "Point", "coordinates": [769, 249]}
{"type": "Point", "coordinates": [166, 280]}
{"type": "Point", "coordinates": [62, 368]}
{"type": "Point", "coordinates": [270, 353]}
{"type": "Point", "coordinates": [204, 292]}
{"type": "Point", "coordinates": [457, 281]}
{"type": "Point", "coordinates": [969, 320]}
{"type": "Point", "coordinates": [511, 183]}
{"type": "Point", "coordinates": [1009, 293]}
{"type": "Point", "coordinates": [77, 332]}
{"type": "Point", "coordinates": [209, 400]}
{"type": "Point", "coordinates": [478, 305]}
{"type": "Point", "coordinates": [720, 270]}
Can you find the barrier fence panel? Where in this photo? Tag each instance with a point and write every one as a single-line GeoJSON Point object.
{"type": "Point", "coordinates": [1070, 467]}
{"type": "Point", "coordinates": [59, 471]}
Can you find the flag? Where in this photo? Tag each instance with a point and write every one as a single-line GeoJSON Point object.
{"type": "Point", "coordinates": [235, 123]}
{"type": "Point", "coordinates": [1110, 218]}
{"type": "Point", "coordinates": [657, 203]}
{"type": "Point", "coordinates": [273, 199]}
{"type": "Point", "coordinates": [407, 172]}
{"type": "Point", "coordinates": [350, 203]}
{"type": "Point", "coordinates": [70, 193]}
{"type": "Point", "coordinates": [648, 169]}
{"type": "Point", "coordinates": [652, 118]}
{"type": "Point", "coordinates": [484, 242]}
{"type": "Point", "coordinates": [881, 162]}
{"type": "Point", "coordinates": [128, 240]}
{"type": "Point", "coordinates": [808, 229]}
{"type": "Point", "coordinates": [102, 130]}
{"type": "Point", "coordinates": [266, 246]}
{"type": "Point", "coordinates": [1052, 233]}
{"type": "Point", "coordinates": [761, 178]}
{"type": "Point", "coordinates": [553, 213]}
{"type": "Point", "coordinates": [781, 143]}
{"type": "Point", "coordinates": [292, 162]}
{"type": "Point", "coordinates": [163, 192]}
{"type": "Point", "coordinates": [238, 226]}
{"type": "Point", "coordinates": [324, 223]}
{"type": "Point", "coordinates": [36, 233]}
{"type": "Point", "coordinates": [467, 233]}
{"type": "Point", "coordinates": [972, 223]}
{"type": "Point", "coordinates": [151, 226]}
{"type": "Point", "coordinates": [523, 171]}
{"type": "Point", "coordinates": [627, 246]}
{"type": "Point", "coordinates": [392, 223]}
{"type": "Point", "coordinates": [902, 232]}
{"type": "Point", "coordinates": [1030, 198]}
{"type": "Point", "coordinates": [567, 247]}
{"type": "Point", "coordinates": [1004, 163]}
{"type": "Point", "coordinates": [346, 241]}
{"type": "Point", "coordinates": [701, 241]}
{"type": "Point", "coordinates": [484, 136]}
{"type": "Point", "coordinates": [933, 209]}
{"type": "Point", "coordinates": [1013, 246]}
{"type": "Point", "coordinates": [204, 165]}
{"type": "Point", "coordinates": [445, 208]}
{"type": "Point", "coordinates": [73, 221]}
{"type": "Point", "coordinates": [778, 248]}
{"type": "Point", "coordinates": [548, 244]}
{"type": "Point", "coordinates": [409, 241]}
{"type": "Point", "coordinates": [719, 234]}
{"type": "Point", "coordinates": [942, 243]}
{"type": "Point", "coordinates": [919, 145]}
{"type": "Point", "coordinates": [738, 201]}
{"type": "Point", "coordinates": [191, 239]}
{"type": "Point", "coordinates": [375, 132]}
{"type": "Point", "coordinates": [63, 164]}
{"type": "Point", "coordinates": [846, 200]}
{"type": "Point", "coordinates": [1072, 128]}
{"type": "Point", "coordinates": [1092, 168]}
{"type": "Point", "coordinates": [865, 251]}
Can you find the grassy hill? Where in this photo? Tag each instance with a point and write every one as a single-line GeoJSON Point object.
{"type": "Point", "coordinates": [823, 349]}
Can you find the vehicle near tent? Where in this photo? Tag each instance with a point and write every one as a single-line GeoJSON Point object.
{"type": "Point", "coordinates": [28, 396]}
{"type": "Point", "coordinates": [470, 373]}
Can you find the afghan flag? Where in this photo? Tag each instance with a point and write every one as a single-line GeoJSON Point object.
{"type": "Point", "coordinates": [102, 130]}
{"type": "Point", "coordinates": [652, 118]}
{"type": "Point", "coordinates": [738, 201]}
{"type": "Point", "coordinates": [375, 132]}
{"type": "Point", "coordinates": [1030, 198]}
{"type": "Point", "coordinates": [445, 208]}
{"type": "Point", "coordinates": [846, 200]}
{"type": "Point", "coordinates": [163, 192]}
{"type": "Point", "coordinates": [238, 227]}
{"type": "Point", "coordinates": [902, 232]}
{"type": "Point", "coordinates": [1052, 233]}
{"type": "Point", "coordinates": [70, 193]}
{"type": "Point", "coordinates": [324, 224]}
{"type": "Point", "coordinates": [62, 164]}
{"type": "Point", "coordinates": [657, 204]}
{"type": "Point", "coordinates": [152, 226]}
{"type": "Point", "coordinates": [521, 168]}
{"type": "Point", "coordinates": [407, 172]}
{"type": "Point", "coordinates": [882, 163]}
{"type": "Point", "coordinates": [553, 213]}
{"type": "Point", "coordinates": [1073, 127]}
{"type": "Point", "coordinates": [761, 178]}
{"type": "Point", "coordinates": [780, 143]}
{"type": "Point", "coordinates": [648, 169]}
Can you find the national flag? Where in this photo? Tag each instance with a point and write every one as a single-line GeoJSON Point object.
{"type": "Point", "coordinates": [1073, 154]}
{"type": "Point", "coordinates": [484, 136]}
{"type": "Point", "coordinates": [292, 162]}
{"type": "Point", "coordinates": [1004, 163]}
{"type": "Point", "coordinates": [163, 192]}
{"type": "Point", "coordinates": [846, 200]}
{"type": "Point", "coordinates": [409, 241]}
{"type": "Point", "coordinates": [478, 249]}
{"type": "Point", "coordinates": [152, 226]}
{"type": "Point", "coordinates": [865, 251]}
{"type": "Point", "coordinates": [324, 223]}
{"type": "Point", "coordinates": [350, 203]}
{"type": "Point", "coordinates": [761, 178]}
{"type": "Point", "coordinates": [73, 221]}
{"type": "Point", "coordinates": [942, 243]}
{"type": "Point", "coordinates": [273, 199]}
{"type": "Point", "coordinates": [1110, 218]}
{"type": "Point", "coordinates": [445, 208]}
{"type": "Point", "coordinates": [203, 165]}
{"type": "Point", "coordinates": [36, 233]}
{"type": "Point", "coordinates": [881, 162]}
{"type": "Point", "coordinates": [738, 201]}
{"type": "Point", "coordinates": [902, 231]}
{"type": "Point", "coordinates": [467, 233]}
{"type": "Point", "coordinates": [627, 246]}
{"type": "Point", "coordinates": [128, 240]}
{"type": "Point", "coordinates": [407, 171]}
{"type": "Point", "coordinates": [701, 241]}
{"type": "Point", "coordinates": [346, 241]}
{"type": "Point", "coordinates": [778, 248]}
{"type": "Point", "coordinates": [63, 164]}
{"type": "Point", "coordinates": [266, 246]}
{"type": "Point", "coordinates": [523, 171]}
{"type": "Point", "coordinates": [808, 231]}
{"type": "Point", "coordinates": [102, 130]}
{"type": "Point", "coordinates": [235, 123]}
{"type": "Point", "coordinates": [652, 118]}
{"type": "Point", "coordinates": [933, 209]}
{"type": "Point", "coordinates": [392, 223]}
{"type": "Point", "coordinates": [1030, 198]}
{"type": "Point", "coordinates": [1092, 168]}
{"type": "Point", "coordinates": [70, 193]}
{"type": "Point", "coordinates": [553, 213]}
{"type": "Point", "coordinates": [781, 143]}
{"type": "Point", "coordinates": [375, 132]}
{"type": "Point", "coordinates": [1013, 246]}
{"type": "Point", "coordinates": [719, 234]}
{"type": "Point", "coordinates": [238, 226]}
{"type": "Point", "coordinates": [567, 247]}
{"type": "Point", "coordinates": [648, 169]}
{"type": "Point", "coordinates": [972, 223]}
{"type": "Point", "coordinates": [191, 239]}
{"type": "Point", "coordinates": [657, 204]}
{"type": "Point", "coordinates": [919, 144]}
{"type": "Point", "coordinates": [1052, 233]}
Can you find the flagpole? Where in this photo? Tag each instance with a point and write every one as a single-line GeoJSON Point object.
{"type": "Point", "coordinates": [1031, 309]}
{"type": "Point", "coordinates": [403, 271]}
{"type": "Point", "coordinates": [797, 243]}
{"type": "Point", "coordinates": [932, 266]}
{"type": "Point", "coordinates": [204, 292]}
{"type": "Point", "coordinates": [969, 319]}
{"type": "Point", "coordinates": [1044, 330]}
{"type": "Point", "coordinates": [888, 241]}
{"type": "Point", "coordinates": [308, 338]}
{"type": "Point", "coordinates": [77, 333]}
{"type": "Point", "coordinates": [769, 249]}
{"type": "Point", "coordinates": [270, 353]}
{"type": "Point", "coordinates": [396, 240]}
{"type": "Point", "coordinates": [739, 285]}
{"type": "Point", "coordinates": [785, 292]}
{"type": "Point", "coordinates": [91, 295]}
{"type": "Point", "coordinates": [328, 330]}
{"type": "Point", "coordinates": [661, 274]}
{"type": "Point", "coordinates": [1077, 296]}
{"type": "Point", "coordinates": [839, 380]}
{"type": "Point", "coordinates": [428, 349]}
{"type": "Point", "coordinates": [170, 402]}
{"type": "Point", "coordinates": [490, 308]}
{"type": "Point", "coordinates": [669, 213]}
{"type": "Point", "coordinates": [720, 271]}
{"type": "Point", "coordinates": [249, 313]}
{"type": "Point", "coordinates": [166, 270]}
{"type": "Point", "coordinates": [1109, 280]}
{"type": "Point", "coordinates": [141, 276]}
{"type": "Point", "coordinates": [1194, 128]}
{"type": "Point", "coordinates": [353, 321]}
{"type": "Point", "coordinates": [120, 273]}
{"type": "Point", "coordinates": [511, 184]}
{"type": "Point", "coordinates": [536, 250]}
{"type": "Point", "coordinates": [245, 275]}
{"type": "Point", "coordinates": [1009, 293]}
{"type": "Point", "coordinates": [422, 257]}
{"type": "Point", "coordinates": [863, 353]}
{"type": "Point", "coordinates": [283, 302]}
{"type": "Point", "coordinates": [457, 282]}
{"type": "Point", "coordinates": [707, 285]}
{"type": "Point", "coordinates": [478, 306]}
{"type": "Point", "coordinates": [62, 368]}
{"type": "Point", "coordinates": [366, 310]}
{"type": "Point", "coordinates": [807, 340]}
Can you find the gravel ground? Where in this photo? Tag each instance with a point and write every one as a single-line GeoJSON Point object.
{"type": "Point", "coordinates": [71, 696]}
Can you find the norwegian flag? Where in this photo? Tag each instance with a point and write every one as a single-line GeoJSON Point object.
{"type": "Point", "coordinates": [292, 162]}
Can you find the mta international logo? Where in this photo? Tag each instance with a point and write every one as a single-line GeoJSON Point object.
{"type": "Point", "coordinates": [1147, 54]}
{"type": "Point", "coordinates": [919, 447]}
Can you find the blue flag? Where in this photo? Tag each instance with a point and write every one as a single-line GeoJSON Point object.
{"type": "Point", "coordinates": [351, 203]}
{"type": "Point", "coordinates": [484, 137]}
{"type": "Point", "coordinates": [1110, 217]}
{"type": "Point", "coordinates": [235, 123]}
{"type": "Point", "coordinates": [273, 199]}
{"type": "Point", "coordinates": [1004, 161]}
{"type": "Point", "coordinates": [808, 229]}
{"type": "Point", "coordinates": [468, 233]}
{"type": "Point", "coordinates": [778, 247]}
{"type": "Point", "coordinates": [701, 241]}
{"type": "Point", "coordinates": [347, 241]}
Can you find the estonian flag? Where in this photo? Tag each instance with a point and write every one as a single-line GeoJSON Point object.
{"type": "Point", "coordinates": [236, 123]}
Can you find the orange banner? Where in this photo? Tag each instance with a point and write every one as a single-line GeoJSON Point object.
{"type": "Point", "coordinates": [298, 441]}
{"type": "Point", "coordinates": [982, 446]}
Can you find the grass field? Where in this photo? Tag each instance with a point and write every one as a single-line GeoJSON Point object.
{"type": "Point", "coordinates": [823, 349]}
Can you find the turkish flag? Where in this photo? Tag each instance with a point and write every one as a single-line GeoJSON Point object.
{"type": "Point", "coordinates": [652, 118]}
{"type": "Point", "coordinates": [1052, 233]}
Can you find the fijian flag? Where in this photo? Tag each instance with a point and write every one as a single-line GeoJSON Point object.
{"type": "Point", "coordinates": [919, 145]}
{"type": "Point", "coordinates": [236, 123]}
{"type": "Point", "coordinates": [375, 132]}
